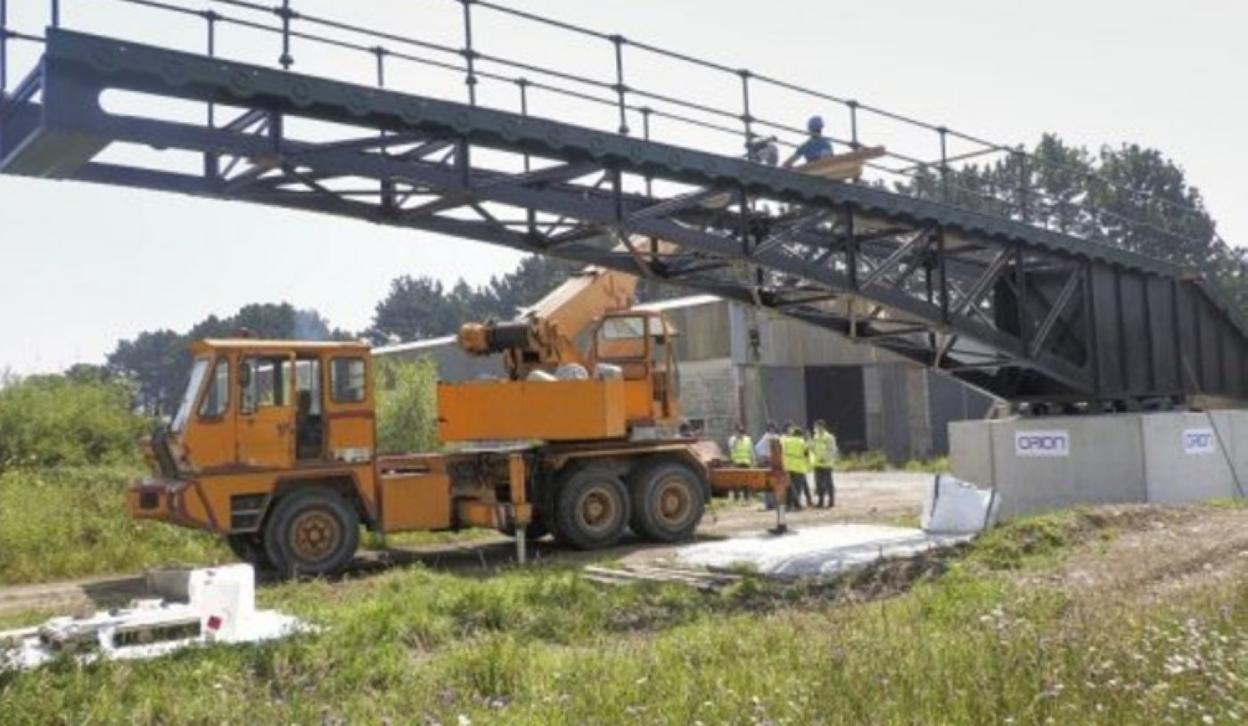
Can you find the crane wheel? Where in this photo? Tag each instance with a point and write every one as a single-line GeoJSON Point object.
{"type": "Point", "coordinates": [250, 549]}
{"type": "Point", "coordinates": [592, 509]}
{"type": "Point", "coordinates": [312, 533]}
{"type": "Point", "coordinates": [667, 501]}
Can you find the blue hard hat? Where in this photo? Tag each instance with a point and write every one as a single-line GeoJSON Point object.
{"type": "Point", "coordinates": [815, 124]}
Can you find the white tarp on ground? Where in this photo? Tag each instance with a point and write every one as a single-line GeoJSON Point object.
{"type": "Point", "coordinates": [210, 605]}
{"type": "Point", "coordinates": [953, 512]}
{"type": "Point", "coordinates": [821, 551]}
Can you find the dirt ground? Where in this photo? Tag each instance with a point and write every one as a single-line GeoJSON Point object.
{"type": "Point", "coordinates": [1154, 551]}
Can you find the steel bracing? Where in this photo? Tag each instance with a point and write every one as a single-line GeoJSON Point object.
{"type": "Point", "coordinates": [1022, 312]}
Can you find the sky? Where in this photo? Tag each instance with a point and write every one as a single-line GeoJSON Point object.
{"type": "Point", "coordinates": [82, 266]}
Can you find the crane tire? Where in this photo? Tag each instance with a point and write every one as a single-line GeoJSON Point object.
{"type": "Point", "coordinates": [312, 533]}
{"type": "Point", "coordinates": [591, 509]}
{"type": "Point", "coordinates": [668, 501]}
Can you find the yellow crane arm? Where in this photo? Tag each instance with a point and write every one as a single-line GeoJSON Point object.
{"type": "Point", "coordinates": [544, 336]}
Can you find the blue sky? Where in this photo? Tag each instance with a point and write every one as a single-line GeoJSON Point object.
{"type": "Point", "coordinates": [81, 266]}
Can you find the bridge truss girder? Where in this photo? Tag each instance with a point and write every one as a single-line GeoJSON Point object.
{"type": "Point", "coordinates": [1019, 312]}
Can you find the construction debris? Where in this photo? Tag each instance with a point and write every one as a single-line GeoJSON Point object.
{"type": "Point", "coordinates": [952, 506]}
{"type": "Point", "coordinates": [195, 607]}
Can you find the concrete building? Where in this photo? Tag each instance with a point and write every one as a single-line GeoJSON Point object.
{"type": "Point", "coordinates": [742, 363]}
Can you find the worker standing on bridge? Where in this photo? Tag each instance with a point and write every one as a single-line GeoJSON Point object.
{"type": "Point", "coordinates": [796, 454]}
{"type": "Point", "coordinates": [823, 453]}
{"type": "Point", "coordinates": [815, 147]}
{"type": "Point", "coordinates": [741, 452]}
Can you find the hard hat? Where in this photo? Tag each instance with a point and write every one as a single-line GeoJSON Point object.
{"type": "Point", "coordinates": [815, 124]}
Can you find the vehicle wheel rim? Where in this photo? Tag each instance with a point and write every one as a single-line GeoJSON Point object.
{"type": "Point", "coordinates": [598, 510]}
{"type": "Point", "coordinates": [314, 536]}
{"type": "Point", "coordinates": [673, 500]}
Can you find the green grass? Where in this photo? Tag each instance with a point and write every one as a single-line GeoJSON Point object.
{"type": "Point", "coordinates": [865, 461]}
{"type": "Point", "coordinates": [937, 465]}
{"type": "Point", "coordinates": [69, 522]}
{"type": "Point", "coordinates": [542, 645]}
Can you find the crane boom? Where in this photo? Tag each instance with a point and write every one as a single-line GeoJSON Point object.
{"type": "Point", "coordinates": [544, 336]}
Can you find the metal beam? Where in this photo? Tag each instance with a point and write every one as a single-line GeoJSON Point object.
{"type": "Point", "coordinates": [917, 240]}
{"type": "Point", "coordinates": [1055, 312]}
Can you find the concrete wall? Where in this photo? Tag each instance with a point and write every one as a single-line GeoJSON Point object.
{"type": "Point", "coordinates": [708, 393]}
{"type": "Point", "coordinates": [1193, 457]}
{"type": "Point", "coordinates": [1041, 464]}
{"type": "Point", "coordinates": [784, 394]}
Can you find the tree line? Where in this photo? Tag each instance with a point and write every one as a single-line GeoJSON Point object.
{"type": "Point", "coordinates": [1126, 196]}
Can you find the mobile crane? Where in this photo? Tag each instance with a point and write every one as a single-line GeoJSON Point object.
{"type": "Point", "coordinates": [274, 443]}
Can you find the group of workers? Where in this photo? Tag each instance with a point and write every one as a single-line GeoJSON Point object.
{"type": "Point", "coordinates": [801, 453]}
{"type": "Point", "coordinates": [764, 150]}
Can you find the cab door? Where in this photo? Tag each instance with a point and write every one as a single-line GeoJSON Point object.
{"type": "Point", "coordinates": [266, 411]}
{"type": "Point", "coordinates": [209, 442]}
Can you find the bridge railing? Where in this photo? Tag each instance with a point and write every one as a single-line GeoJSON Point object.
{"type": "Point", "coordinates": [627, 85]}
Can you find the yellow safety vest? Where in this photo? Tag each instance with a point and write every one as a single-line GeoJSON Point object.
{"type": "Point", "coordinates": [795, 453]}
{"type": "Point", "coordinates": [742, 451]}
{"type": "Point", "coordinates": [823, 446]}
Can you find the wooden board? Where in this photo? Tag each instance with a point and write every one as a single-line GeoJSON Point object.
{"type": "Point", "coordinates": [838, 167]}
{"type": "Point", "coordinates": [841, 166]}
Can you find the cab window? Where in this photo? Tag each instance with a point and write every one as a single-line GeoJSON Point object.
{"type": "Point", "coordinates": [622, 338]}
{"type": "Point", "coordinates": [265, 383]}
{"type": "Point", "coordinates": [217, 396]}
{"type": "Point", "coordinates": [346, 380]}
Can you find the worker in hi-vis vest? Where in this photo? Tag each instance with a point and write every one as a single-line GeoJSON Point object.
{"type": "Point", "coordinates": [741, 452]}
{"type": "Point", "coordinates": [796, 453]}
{"type": "Point", "coordinates": [823, 456]}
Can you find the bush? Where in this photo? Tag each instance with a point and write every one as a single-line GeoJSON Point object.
{"type": "Point", "coordinates": [50, 421]}
{"type": "Point", "coordinates": [866, 461]}
{"type": "Point", "coordinates": [72, 522]}
{"type": "Point", "coordinates": [938, 465]}
{"type": "Point", "coordinates": [407, 409]}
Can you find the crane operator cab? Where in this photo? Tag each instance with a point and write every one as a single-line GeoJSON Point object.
{"type": "Point", "coordinates": [640, 345]}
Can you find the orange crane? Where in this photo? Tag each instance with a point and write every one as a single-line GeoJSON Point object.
{"type": "Point", "coordinates": [274, 444]}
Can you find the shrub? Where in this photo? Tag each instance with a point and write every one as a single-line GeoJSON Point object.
{"type": "Point", "coordinates": [57, 421]}
{"type": "Point", "coordinates": [866, 461]}
{"type": "Point", "coordinates": [72, 522]}
{"type": "Point", "coordinates": [406, 402]}
{"type": "Point", "coordinates": [938, 465]}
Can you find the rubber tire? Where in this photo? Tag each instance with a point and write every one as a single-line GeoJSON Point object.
{"type": "Point", "coordinates": [250, 549]}
{"type": "Point", "coordinates": [569, 529]}
{"type": "Point", "coordinates": [645, 493]}
{"type": "Point", "coordinates": [285, 561]}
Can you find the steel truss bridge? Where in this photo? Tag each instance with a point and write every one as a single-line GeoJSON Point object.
{"type": "Point", "coordinates": [1022, 311]}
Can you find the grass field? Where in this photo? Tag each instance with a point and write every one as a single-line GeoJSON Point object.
{"type": "Point", "coordinates": [986, 641]}
{"type": "Point", "coordinates": [71, 522]}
